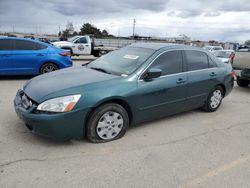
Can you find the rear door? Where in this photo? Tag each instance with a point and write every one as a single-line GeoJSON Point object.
{"type": "Point", "coordinates": [28, 56]}
{"type": "Point", "coordinates": [6, 64]}
{"type": "Point", "coordinates": [202, 77]}
{"type": "Point", "coordinates": [82, 46]}
{"type": "Point", "coordinates": [167, 94]}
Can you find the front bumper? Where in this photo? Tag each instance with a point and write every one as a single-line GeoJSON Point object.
{"type": "Point", "coordinates": [60, 126]}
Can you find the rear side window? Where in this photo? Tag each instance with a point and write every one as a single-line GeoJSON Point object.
{"type": "Point", "coordinates": [27, 45]}
{"type": "Point", "coordinates": [6, 44]}
{"type": "Point", "coordinates": [169, 62]}
{"type": "Point", "coordinates": [196, 60]}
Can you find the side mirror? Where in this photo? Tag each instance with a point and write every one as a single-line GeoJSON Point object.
{"type": "Point", "coordinates": [151, 74]}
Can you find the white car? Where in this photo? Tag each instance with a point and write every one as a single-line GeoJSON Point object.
{"type": "Point", "coordinates": [78, 45]}
{"type": "Point", "coordinates": [213, 49]}
{"type": "Point", "coordinates": [226, 56]}
{"type": "Point", "coordinates": [83, 45]}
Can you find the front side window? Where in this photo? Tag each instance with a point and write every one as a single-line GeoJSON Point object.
{"type": "Point", "coordinates": [27, 45]}
{"type": "Point", "coordinates": [169, 62]}
{"type": "Point", "coordinates": [6, 44]}
{"type": "Point", "coordinates": [72, 39]}
{"type": "Point", "coordinates": [196, 60]}
{"type": "Point", "coordinates": [82, 40]}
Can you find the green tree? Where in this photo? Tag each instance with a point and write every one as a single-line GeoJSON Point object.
{"type": "Point", "coordinates": [89, 29]}
{"type": "Point", "coordinates": [247, 43]}
{"type": "Point", "coordinates": [105, 33]}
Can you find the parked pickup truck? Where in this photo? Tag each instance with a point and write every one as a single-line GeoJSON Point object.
{"type": "Point", "coordinates": [84, 45]}
{"type": "Point", "coordinates": [241, 66]}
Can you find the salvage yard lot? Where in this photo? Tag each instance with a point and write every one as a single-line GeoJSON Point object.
{"type": "Point", "coordinates": [192, 149]}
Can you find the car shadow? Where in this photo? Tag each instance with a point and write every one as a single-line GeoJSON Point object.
{"type": "Point", "coordinates": [163, 119]}
{"type": "Point", "coordinates": [6, 78]}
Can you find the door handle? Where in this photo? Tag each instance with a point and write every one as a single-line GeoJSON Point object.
{"type": "Point", "coordinates": [180, 81]}
{"type": "Point", "coordinates": [4, 55]}
{"type": "Point", "coordinates": [212, 74]}
{"type": "Point", "coordinates": [87, 45]}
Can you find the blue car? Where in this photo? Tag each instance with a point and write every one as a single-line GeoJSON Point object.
{"type": "Point", "coordinates": [20, 56]}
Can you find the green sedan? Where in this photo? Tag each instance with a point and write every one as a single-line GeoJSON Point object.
{"type": "Point", "coordinates": [137, 83]}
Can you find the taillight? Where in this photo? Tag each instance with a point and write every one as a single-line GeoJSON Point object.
{"type": "Point", "coordinates": [232, 74]}
{"type": "Point", "coordinates": [66, 53]}
{"type": "Point", "coordinates": [231, 57]}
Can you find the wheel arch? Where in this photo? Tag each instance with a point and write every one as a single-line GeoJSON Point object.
{"type": "Point", "coordinates": [46, 63]}
{"type": "Point", "coordinates": [119, 101]}
{"type": "Point", "coordinates": [223, 89]}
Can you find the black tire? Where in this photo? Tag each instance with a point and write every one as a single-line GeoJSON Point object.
{"type": "Point", "coordinates": [242, 82]}
{"type": "Point", "coordinates": [95, 118]}
{"type": "Point", "coordinates": [208, 106]}
{"type": "Point", "coordinates": [48, 67]}
{"type": "Point", "coordinates": [96, 53]}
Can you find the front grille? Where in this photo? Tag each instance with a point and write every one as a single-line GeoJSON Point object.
{"type": "Point", "coordinates": [26, 103]}
{"type": "Point", "coordinates": [23, 100]}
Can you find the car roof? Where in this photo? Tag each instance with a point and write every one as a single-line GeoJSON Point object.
{"type": "Point", "coordinates": [26, 39]}
{"type": "Point", "coordinates": [163, 46]}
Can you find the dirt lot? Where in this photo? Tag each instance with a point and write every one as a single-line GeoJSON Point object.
{"type": "Point", "coordinates": [193, 149]}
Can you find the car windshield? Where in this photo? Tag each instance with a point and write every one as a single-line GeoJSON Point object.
{"type": "Point", "coordinates": [223, 54]}
{"type": "Point", "coordinates": [121, 62]}
{"type": "Point", "coordinates": [72, 38]}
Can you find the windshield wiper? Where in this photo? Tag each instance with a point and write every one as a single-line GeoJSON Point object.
{"type": "Point", "coordinates": [100, 69]}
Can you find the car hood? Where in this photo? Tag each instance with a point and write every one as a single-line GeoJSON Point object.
{"type": "Point", "coordinates": [41, 86]}
{"type": "Point", "coordinates": [62, 43]}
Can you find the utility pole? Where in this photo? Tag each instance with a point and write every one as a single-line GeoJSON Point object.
{"type": "Point", "coordinates": [13, 28]}
{"type": "Point", "coordinates": [134, 27]}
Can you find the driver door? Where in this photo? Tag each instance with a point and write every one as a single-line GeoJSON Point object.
{"type": "Point", "coordinates": [166, 94]}
{"type": "Point", "coordinates": [82, 46]}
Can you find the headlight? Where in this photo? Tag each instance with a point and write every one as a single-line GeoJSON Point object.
{"type": "Point", "coordinates": [60, 104]}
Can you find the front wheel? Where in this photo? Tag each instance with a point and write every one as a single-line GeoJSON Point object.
{"type": "Point", "coordinates": [214, 99]}
{"type": "Point", "coordinates": [108, 122]}
{"type": "Point", "coordinates": [242, 82]}
{"type": "Point", "coordinates": [48, 67]}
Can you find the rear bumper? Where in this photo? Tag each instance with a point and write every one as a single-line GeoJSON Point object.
{"type": "Point", "coordinates": [229, 84]}
{"type": "Point", "coordinates": [59, 126]}
{"type": "Point", "coordinates": [243, 74]}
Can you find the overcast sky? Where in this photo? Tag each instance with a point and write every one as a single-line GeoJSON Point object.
{"type": "Point", "coordinates": [224, 20]}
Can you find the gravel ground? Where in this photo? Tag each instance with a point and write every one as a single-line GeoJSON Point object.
{"type": "Point", "coordinates": [192, 149]}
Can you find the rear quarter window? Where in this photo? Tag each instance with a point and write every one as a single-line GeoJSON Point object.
{"type": "Point", "coordinates": [27, 45]}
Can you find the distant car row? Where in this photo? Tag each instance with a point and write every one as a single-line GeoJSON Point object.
{"type": "Point", "coordinates": [23, 56]}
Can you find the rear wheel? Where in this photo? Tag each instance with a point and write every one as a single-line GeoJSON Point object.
{"type": "Point", "coordinates": [48, 67]}
{"type": "Point", "coordinates": [108, 122]}
{"type": "Point", "coordinates": [214, 99]}
{"type": "Point", "coordinates": [242, 82]}
{"type": "Point", "coordinates": [97, 53]}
